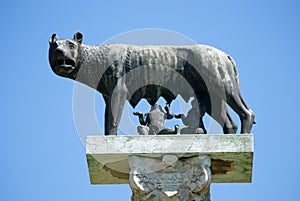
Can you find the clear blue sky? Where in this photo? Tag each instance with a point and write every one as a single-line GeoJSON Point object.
{"type": "Point", "coordinates": [42, 158]}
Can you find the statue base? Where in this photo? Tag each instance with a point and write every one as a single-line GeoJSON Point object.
{"type": "Point", "coordinates": [170, 167]}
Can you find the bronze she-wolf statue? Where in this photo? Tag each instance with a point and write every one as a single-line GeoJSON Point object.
{"type": "Point", "coordinates": [123, 72]}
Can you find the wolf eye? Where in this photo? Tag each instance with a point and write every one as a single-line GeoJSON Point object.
{"type": "Point", "coordinates": [71, 45]}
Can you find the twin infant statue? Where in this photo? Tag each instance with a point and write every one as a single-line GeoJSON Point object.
{"type": "Point", "coordinates": [152, 123]}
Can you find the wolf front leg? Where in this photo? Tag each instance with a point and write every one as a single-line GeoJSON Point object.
{"type": "Point", "coordinates": [114, 107]}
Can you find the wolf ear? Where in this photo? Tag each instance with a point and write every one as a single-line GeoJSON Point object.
{"type": "Point", "coordinates": [78, 37]}
{"type": "Point", "coordinates": [53, 39]}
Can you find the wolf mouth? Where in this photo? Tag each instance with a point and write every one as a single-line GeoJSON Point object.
{"type": "Point", "coordinates": [67, 65]}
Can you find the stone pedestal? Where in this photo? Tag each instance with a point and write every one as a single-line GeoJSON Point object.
{"type": "Point", "coordinates": [174, 167]}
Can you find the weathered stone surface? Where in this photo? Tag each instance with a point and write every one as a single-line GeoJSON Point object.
{"type": "Point", "coordinates": [169, 178]}
{"type": "Point", "coordinates": [231, 155]}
